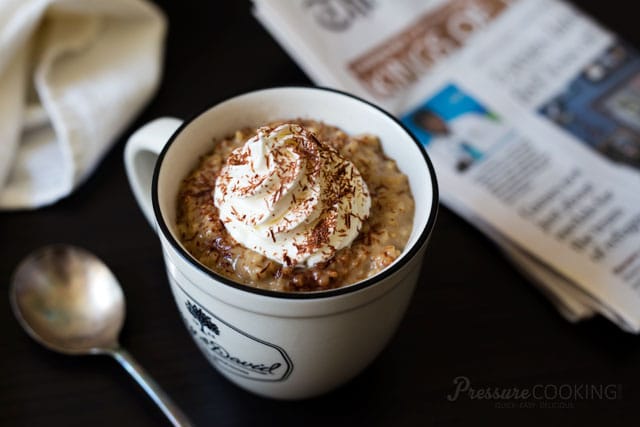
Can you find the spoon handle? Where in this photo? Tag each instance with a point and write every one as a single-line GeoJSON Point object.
{"type": "Point", "coordinates": [170, 409]}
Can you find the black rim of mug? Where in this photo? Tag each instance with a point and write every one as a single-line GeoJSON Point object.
{"type": "Point", "coordinates": [302, 294]}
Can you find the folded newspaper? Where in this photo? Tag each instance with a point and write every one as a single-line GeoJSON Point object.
{"type": "Point", "coordinates": [530, 112]}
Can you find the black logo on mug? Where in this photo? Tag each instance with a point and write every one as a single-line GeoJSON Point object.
{"type": "Point", "coordinates": [234, 350]}
{"type": "Point", "coordinates": [206, 325]}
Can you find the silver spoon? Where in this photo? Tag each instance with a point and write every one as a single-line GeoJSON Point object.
{"type": "Point", "coordinates": [69, 301]}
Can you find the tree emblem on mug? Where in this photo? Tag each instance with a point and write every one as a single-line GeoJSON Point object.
{"type": "Point", "coordinates": [203, 319]}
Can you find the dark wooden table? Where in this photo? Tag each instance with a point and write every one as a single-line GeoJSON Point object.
{"type": "Point", "coordinates": [473, 314]}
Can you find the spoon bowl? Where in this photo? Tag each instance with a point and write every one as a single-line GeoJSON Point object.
{"type": "Point", "coordinates": [68, 300]}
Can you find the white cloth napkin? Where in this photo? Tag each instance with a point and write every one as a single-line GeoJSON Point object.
{"type": "Point", "coordinates": [73, 74]}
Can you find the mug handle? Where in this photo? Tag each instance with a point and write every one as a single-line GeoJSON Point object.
{"type": "Point", "coordinates": [140, 156]}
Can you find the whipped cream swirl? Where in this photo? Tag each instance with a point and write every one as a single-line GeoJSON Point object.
{"type": "Point", "coordinates": [290, 197]}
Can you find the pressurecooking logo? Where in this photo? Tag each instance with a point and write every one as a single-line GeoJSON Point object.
{"type": "Point", "coordinates": [543, 396]}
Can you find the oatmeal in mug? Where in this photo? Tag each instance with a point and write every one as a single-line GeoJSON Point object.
{"type": "Point", "coordinates": [295, 205]}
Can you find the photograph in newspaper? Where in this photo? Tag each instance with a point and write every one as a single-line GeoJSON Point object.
{"type": "Point", "coordinates": [457, 127]}
{"type": "Point", "coordinates": [601, 105]}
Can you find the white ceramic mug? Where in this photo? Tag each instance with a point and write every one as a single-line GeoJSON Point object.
{"type": "Point", "coordinates": [276, 344]}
